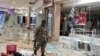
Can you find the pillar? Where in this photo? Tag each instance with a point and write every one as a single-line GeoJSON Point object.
{"type": "Point", "coordinates": [28, 20]}
{"type": "Point", "coordinates": [56, 21]}
{"type": "Point", "coordinates": [28, 26]}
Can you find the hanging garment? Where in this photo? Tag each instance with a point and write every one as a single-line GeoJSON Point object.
{"type": "Point", "coordinates": [81, 45]}
{"type": "Point", "coordinates": [72, 14]}
{"type": "Point", "coordinates": [76, 19]}
{"type": "Point", "coordinates": [83, 17]}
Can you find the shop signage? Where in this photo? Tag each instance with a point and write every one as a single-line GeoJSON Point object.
{"type": "Point", "coordinates": [11, 48]}
{"type": "Point", "coordinates": [11, 11]}
{"type": "Point", "coordinates": [47, 3]}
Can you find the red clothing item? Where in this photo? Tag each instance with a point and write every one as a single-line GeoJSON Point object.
{"type": "Point", "coordinates": [83, 16]}
{"type": "Point", "coordinates": [76, 19]}
{"type": "Point", "coordinates": [61, 21]}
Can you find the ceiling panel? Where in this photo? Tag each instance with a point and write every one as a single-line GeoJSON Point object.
{"type": "Point", "coordinates": [15, 3]}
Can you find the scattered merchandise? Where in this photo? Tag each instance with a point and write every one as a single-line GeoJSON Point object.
{"type": "Point", "coordinates": [81, 45]}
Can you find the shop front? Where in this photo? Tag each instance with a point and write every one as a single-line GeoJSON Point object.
{"type": "Point", "coordinates": [83, 20]}
{"type": "Point", "coordinates": [61, 16]}
{"type": "Point", "coordinates": [52, 16]}
{"type": "Point", "coordinates": [84, 16]}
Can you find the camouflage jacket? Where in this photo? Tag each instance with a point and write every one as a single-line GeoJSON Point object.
{"type": "Point", "coordinates": [41, 34]}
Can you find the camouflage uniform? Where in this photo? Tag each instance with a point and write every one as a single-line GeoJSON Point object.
{"type": "Point", "coordinates": [40, 39]}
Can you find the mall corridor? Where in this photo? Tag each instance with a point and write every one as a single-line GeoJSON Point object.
{"type": "Point", "coordinates": [55, 27]}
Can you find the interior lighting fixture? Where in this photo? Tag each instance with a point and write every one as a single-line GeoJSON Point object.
{"type": "Point", "coordinates": [21, 11]}
{"type": "Point", "coordinates": [87, 1]}
{"type": "Point", "coordinates": [26, 14]}
{"type": "Point", "coordinates": [40, 11]}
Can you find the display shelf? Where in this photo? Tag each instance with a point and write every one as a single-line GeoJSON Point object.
{"type": "Point", "coordinates": [82, 42]}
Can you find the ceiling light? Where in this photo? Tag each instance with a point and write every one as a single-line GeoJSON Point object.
{"type": "Point", "coordinates": [21, 11]}
{"type": "Point", "coordinates": [40, 11]}
{"type": "Point", "coordinates": [26, 14]}
{"type": "Point", "coordinates": [87, 1]}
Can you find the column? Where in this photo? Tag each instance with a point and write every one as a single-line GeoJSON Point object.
{"type": "Point", "coordinates": [56, 22]}
{"type": "Point", "coordinates": [28, 22]}
{"type": "Point", "coordinates": [28, 26]}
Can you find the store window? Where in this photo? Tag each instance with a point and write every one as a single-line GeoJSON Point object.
{"type": "Point", "coordinates": [49, 19]}
{"type": "Point", "coordinates": [2, 18]}
{"type": "Point", "coordinates": [80, 15]}
{"type": "Point", "coordinates": [81, 23]}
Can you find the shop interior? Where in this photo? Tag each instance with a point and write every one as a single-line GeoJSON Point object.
{"type": "Point", "coordinates": [85, 34]}
{"type": "Point", "coordinates": [92, 18]}
{"type": "Point", "coordinates": [13, 30]}
{"type": "Point", "coordinates": [7, 18]}
{"type": "Point", "coordinates": [79, 31]}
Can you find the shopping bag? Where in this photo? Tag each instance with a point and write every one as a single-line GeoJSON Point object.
{"type": "Point", "coordinates": [11, 49]}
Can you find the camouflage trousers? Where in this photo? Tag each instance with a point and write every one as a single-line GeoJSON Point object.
{"type": "Point", "coordinates": [38, 45]}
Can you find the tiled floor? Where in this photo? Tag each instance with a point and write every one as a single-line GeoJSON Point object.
{"type": "Point", "coordinates": [55, 50]}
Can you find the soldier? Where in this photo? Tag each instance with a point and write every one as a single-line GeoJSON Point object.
{"type": "Point", "coordinates": [40, 38]}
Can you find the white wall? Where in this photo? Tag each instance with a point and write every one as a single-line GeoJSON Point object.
{"type": "Point", "coordinates": [38, 6]}
{"type": "Point", "coordinates": [39, 18]}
